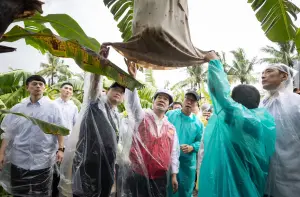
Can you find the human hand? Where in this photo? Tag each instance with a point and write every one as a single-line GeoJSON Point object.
{"type": "Point", "coordinates": [131, 68]}
{"type": "Point", "coordinates": [212, 55]}
{"type": "Point", "coordinates": [59, 156]}
{"type": "Point", "coordinates": [104, 51]}
{"type": "Point", "coordinates": [174, 183]}
{"type": "Point", "coordinates": [186, 148]}
{"type": "Point", "coordinates": [2, 161]}
{"type": "Point", "coordinates": [206, 114]}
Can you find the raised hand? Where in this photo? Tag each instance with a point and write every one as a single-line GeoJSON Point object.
{"type": "Point", "coordinates": [131, 66]}
{"type": "Point", "coordinates": [212, 55]}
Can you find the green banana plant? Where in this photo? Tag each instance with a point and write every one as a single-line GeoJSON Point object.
{"type": "Point", "coordinates": [72, 42]}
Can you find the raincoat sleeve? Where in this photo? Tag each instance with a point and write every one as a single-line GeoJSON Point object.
{"type": "Point", "coordinates": [219, 87]}
{"type": "Point", "coordinates": [175, 155]}
{"type": "Point", "coordinates": [196, 144]}
{"type": "Point", "coordinates": [134, 105]}
{"type": "Point", "coordinates": [200, 153]}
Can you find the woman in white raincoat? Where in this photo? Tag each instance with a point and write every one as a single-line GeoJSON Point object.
{"type": "Point", "coordinates": [284, 105]}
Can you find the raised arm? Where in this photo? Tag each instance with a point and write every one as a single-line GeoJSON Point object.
{"type": "Point", "coordinates": [219, 88]}
{"type": "Point", "coordinates": [132, 100]}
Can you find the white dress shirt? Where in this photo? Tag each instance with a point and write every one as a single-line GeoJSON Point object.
{"type": "Point", "coordinates": [139, 114]}
{"type": "Point", "coordinates": [70, 113]}
{"type": "Point", "coordinates": [28, 146]}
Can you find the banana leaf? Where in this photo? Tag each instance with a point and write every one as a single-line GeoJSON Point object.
{"type": "Point", "coordinates": [46, 127]}
{"type": "Point", "coordinates": [64, 25]}
{"type": "Point", "coordinates": [275, 18]}
{"type": "Point", "coordinates": [121, 8]}
{"type": "Point", "coordinates": [87, 59]}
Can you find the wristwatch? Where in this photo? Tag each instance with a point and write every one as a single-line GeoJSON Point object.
{"type": "Point", "coordinates": [61, 149]}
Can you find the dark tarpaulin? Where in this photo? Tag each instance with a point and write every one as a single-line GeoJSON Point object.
{"type": "Point", "coordinates": [161, 36]}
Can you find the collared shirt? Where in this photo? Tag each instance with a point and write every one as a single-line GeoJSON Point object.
{"type": "Point", "coordinates": [70, 113]}
{"type": "Point", "coordinates": [139, 114]}
{"type": "Point", "coordinates": [28, 146]}
{"type": "Point", "coordinates": [103, 104]}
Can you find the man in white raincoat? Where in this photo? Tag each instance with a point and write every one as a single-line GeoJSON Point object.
{"type": "Point", "coordinates": [284, 105]}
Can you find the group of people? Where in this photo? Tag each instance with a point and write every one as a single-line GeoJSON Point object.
{"type": "Point", "coordinates": [238, 147]}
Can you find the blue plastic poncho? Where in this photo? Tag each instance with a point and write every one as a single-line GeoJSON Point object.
{"type": "Point", "coordinates": [238, 144]}
{"type": "Point", "coordinates": [189, 130]}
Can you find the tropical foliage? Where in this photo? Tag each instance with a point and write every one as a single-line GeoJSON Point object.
{"type": "Point", "coordinates": [55, 68]}
{"type": "Point", "coordinates": [283, 53]}
{"type": "Point", "coordinates": [276, 20]}
{"type": "Point", "coordinates": [72, 42]}
{"type": "Point", "coordinates": [242, 67]}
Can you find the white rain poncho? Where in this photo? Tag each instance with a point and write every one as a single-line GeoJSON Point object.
{"type": "Point", "coordinates": [284, 105]}
{"type": "Point", "coordinates": [88, 167]}
{"type": "Point", "coordinates": [148, 152]}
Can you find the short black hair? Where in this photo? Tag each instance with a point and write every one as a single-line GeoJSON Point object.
{"type": "Point", "coordinates": [295, 90]}
{"type": "Point", "coordinates": [35, 78]}
{"type": "Point", "coordinates": [115, 85]}
{"type": "Point", "coordinates": [246, 95]}
{"type": "Point", "coordinates": [66, 83]}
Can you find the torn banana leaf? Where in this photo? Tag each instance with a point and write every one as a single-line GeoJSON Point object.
{"type": "Point", "coordinates": [275, 17]}
{"type": "Point", "coordinates": [46, 127]}
{"type": "Point", "coordinates": [87, 59]}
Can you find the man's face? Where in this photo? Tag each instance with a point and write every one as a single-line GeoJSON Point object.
{"type": "Point", "coordinates": [272, 78]}
{"type": "Point", "coordinates": [36, 88]}
{"type": "Point", "coordinates": [189, 103]}
{"type": "Point", "coordinates": [66, 91]}
{"type": "Point", "coordinates": [161, 102]}
{"type": "Point", "coordinates": [177, 106]}
{"type": "Point", "coordinates": [115, 95]}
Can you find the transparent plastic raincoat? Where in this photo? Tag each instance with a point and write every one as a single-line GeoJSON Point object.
{"type": "Point", "coordinates": [160, 36]}
{"type": "Point", "coordinates": [149, 152]}
{"type": "Point", "coordinates": [30, 154]}
{"type": "Point", "coordinates": [284, 105]}
{"type": "Point", "coordinates": [189, 130]}
{"type": "Point", "coordinates": [88, 168]}
{"type": "Point", "coordinates": [238, 144]}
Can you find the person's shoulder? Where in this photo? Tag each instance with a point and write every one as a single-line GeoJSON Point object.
{"type": "Point", "coordinates": [263, 116]}
{"type": "Point", "coordinates": [51, 103]}
{"type": "Point", "coordinates": [173, 112]}
{"type": "Point", "coordinates": [17, 107]}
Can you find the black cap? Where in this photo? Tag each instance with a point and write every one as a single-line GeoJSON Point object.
{"type": "Point", "coordinates": [194, 93]}
{"type": "Point", "coordinates": [115, 85]}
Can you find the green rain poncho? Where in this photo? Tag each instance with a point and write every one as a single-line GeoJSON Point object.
{"type": "Point", "coordinates": [238, 144]}
{"type": "Point", "coordinates": [189, 130]}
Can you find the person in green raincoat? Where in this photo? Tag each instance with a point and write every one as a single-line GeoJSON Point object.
{"type": "Point", "coordinates": [189, 130]}
{"type": "Point", "coordinates": [239, 139]}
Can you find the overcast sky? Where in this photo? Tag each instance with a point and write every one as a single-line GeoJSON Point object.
{"type": "Point", "coordinates": [220, 25]}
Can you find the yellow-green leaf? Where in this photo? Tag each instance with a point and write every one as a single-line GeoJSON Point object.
{"type": "Point", "coordinates": [87, 59]}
